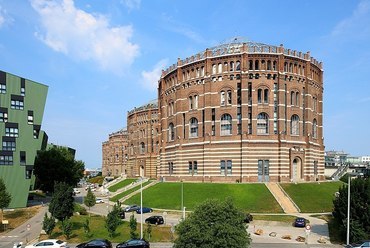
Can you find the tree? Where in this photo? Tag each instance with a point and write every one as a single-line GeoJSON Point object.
{"type": "Point", "coordinates": [57, 164]}
{"type": "Point", "coordinates": [61, 205]}
{"type": "Point", "coordinates": [5, 198]}
{"type": "Point", "coordinates": [113, 220]}
{"type": "Point", "coordinates": [148, 232]}
{"type": "Point", "coordinates": [66, 227]}
{"type": "Point", "coordinates": [89, 199]}
{"type": "Point", "coordinates": [86, 226]}
{"type": "Point", "coordinates": [133, 227]}
{"type": "Point", "coordinates": [213, 224]}
{"type": "Point", "coordinates": [48, 224]}
{"type": "Point", "coordinates": [359, 211]}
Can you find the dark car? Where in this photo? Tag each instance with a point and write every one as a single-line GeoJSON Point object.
{"type": "Point", "coordinates": [300, 222]}
{"type": "Point", "coordinates": [248, 218]}
{"type": "Point", "coordinates": [134, 243]}
{"type": "Point", "coordinates": [156, 220]}
{"type": "Point", "coordinates": [96, 243]}
{"type": "Point", "coordinates": [122, 214]}
{"type": "Point", "coordinates": [145, 210]}
{"type": "Point", "coordinates": [131, 208]}
{"type": "Point", "coordinates": [362, 244]}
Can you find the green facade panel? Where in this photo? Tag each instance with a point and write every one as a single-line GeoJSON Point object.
{"type": "Point", "coordinates": [22, 104]}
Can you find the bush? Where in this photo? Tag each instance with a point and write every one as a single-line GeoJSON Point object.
{"type": "Point", "coordinates": [80, 209]}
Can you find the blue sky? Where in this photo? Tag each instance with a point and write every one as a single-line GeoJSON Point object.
{"type": "Point", "coordinates": [101, 58]}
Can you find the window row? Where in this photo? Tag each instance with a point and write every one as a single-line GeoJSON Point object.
{"type": "Point", "coordinates": [294, 68]}
{"type": "Point", "coordinates": [226, 126]}
{"type": "Point", "coordinates": [264, 65]}
{"type": "Point", "coordinates": [232, 66]}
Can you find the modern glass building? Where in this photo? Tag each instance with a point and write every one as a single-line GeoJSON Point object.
{"type": "Point", "coordinates": [22, 103]}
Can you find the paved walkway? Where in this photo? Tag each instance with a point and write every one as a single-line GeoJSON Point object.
{"type": "Point", "coordinates": [282, 198]}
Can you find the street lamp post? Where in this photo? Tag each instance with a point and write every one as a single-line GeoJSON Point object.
{"type": "Point", "coordinates": [349, 202]}
{"type": "Point", "coordinates": [141, 207]}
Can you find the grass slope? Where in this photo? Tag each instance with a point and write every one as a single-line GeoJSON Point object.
{"type": "Point", "coordinates": [247, 197]}
{"type": "Point", "coordinates": [127, 192]}
{"type": "Point", "coordinates": [313, 197]}
{"type": "Point", "coordinates": [121, 184]}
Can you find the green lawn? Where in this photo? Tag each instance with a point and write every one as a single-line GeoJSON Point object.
{"type": "Point", "coordinates": [127, 192]}
{"type": "Point", "coordinates": [313, 197]}
{"type": "Point", "coordinates": [98, 230]}
{"type": "Point", "coordinates": [247, 197]}
{"type": "Point", "coordinates": [121, 184]}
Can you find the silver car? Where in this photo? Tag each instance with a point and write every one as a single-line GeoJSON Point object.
{"type": "Point", "coordinates": [49, 243]}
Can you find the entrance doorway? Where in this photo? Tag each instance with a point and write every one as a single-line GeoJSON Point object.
{"type": "Point", "coordinates": [263, 170]}
{"type": "Point", "coordinates": [296, 169]}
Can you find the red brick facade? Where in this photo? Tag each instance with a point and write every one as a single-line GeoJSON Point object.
{"type": "Point", "coordinates": [115, 154]}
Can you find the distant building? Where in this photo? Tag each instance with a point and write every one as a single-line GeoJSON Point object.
{"type": "Point", "coordinates": [365, 159]}
{"type": "Point", "coordinates": [22, 103]}
{"type": "Point", "coordinates": [115, 154]}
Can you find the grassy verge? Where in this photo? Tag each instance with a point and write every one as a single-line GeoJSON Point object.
{"type": "Point", "coordinates": [18, 217]}
{"type": "Point", "coordinates": [127, 192]}
{"type": "Point", "coordinates": [247, 197]}
{"type": "Point", "coordinates": [313, 197]}
{"type": "Point", "coordinates": [121, 184]}
{"type": "Point", "coordinates": [280, 218]}
{"type": "Point", "coordinates": [98, 230]}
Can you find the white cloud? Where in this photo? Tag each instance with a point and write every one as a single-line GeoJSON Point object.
{"type": "Point", "coordinates": [356, 25]}
{"type": "Point", "coordinates": [85, 36]}
{"type": "Point", "coordinates": [132, 4]}
{"type": "Point", "coordinates": [150, 78]}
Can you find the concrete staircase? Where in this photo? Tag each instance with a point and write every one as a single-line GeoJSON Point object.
{"type": "Point", "coordinates": [138, 191]}
{"type": "Point", "coordinates": [130, 186]}
{"type": "Point", "coordinates": [282, 198]}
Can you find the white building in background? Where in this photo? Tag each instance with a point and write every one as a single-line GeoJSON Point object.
{"type": "Point", "coordinates": [365, 159]}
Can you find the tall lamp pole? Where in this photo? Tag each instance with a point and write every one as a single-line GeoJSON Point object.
{"type": "Point", "coordinates": [349, 201]}
{"type": "Point", "coordinates": [141, 207]}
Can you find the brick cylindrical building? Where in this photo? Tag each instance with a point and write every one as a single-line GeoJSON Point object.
{"type": "Point", "coordinates": [245, 112]}
{"type": "Point", "coordinates": [142, 127]}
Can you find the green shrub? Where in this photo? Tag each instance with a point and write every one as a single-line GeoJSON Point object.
{"type": "Point", "coordinates": [80, 209]}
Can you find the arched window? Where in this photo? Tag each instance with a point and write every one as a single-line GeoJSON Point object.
{"type": "Point", "coordinates": [294, 125]}
{"type": "Point", "coordinates": [297, 98]}
{"type": "Point", "coordinates": [232, 66]}
{"type": "Point", "coordinates": [259, 95]}
{"type": "Point", "coordinates": [262, 123]}
{"type": "Point", "coordinates": [274, 65]}
{"type": "Point", "coordinates": [256, 65]}
{"type": "Point", "coordinates": [202, 71]}
{"type": "Point", "coordinates": [171, 132]}
{"type": "Point", "coordinates": [225, 66]}
{"type": "Point", "coordinates": [142, 148]}
{"type": "Point", "coordinates": [314, 128]}
{"type": "Point", "coordinates": [286, 66]}
{"type": "Point", "coordinates": [219, 68]}
{"type": "Point", "coordinates": [250, 64]}
{"type": "Point", "coordinates": [266, 96]}
{"type": "Point", "coordinates": [237, 68]}
{"type": "Point", "coordinates": [193, 128]}
{"type": "Point", "coordinates": [269, 65]}
{"type": "Point", "coordinates": [222, 98]}
{"type": "Point", "coordinates": [214, 69]}
{"type": "Point", "coordinates": [290, 67]}
{"type": "Point", "coordinates": [292, 98]}
{"type": "Point", "coordinates": [226, 124]}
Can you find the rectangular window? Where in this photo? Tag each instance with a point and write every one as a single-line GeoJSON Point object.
{"type": "Point", "coordinates": [213, 121]}
{"type": "Point", "coordinates": [3, 115]}
{"type": "Point", "coordinates": [11, 131]}
{"type": "Point", "coordinates": [30, 117]}
{"type": "Point", "coordinates": [195, 167]}
{"type": "Point", "coordinates": [36, 131]}
{"type": "Point", "coordinates": [6, 159]}
{"type": "Point", "coordinates": [9, 145]}
{"type": "Point", "coordinates": [23, 87]}
{"type": "Point", "coordinates": [190, 167]}
{"type": "Point", "coordinates": [170, 168]}
{"type": "Point", "coordinates": [17, 104]}
{"type": "Point", "coordinates": [222, 98]}
{"type": "Point", "coordinates": [222, 167]}
{"type": "Point", "coordinates": [2, 88]}
{"type": "Point", "coordinates": [239, 94]}
{"type": "Point", "coordinates": [28, 174]}
{"type": "Point", "coordinates": [22, 157]}
{"type": "Point", "coordinates": [229, 167]}
{"type": "Point", "coordinates": [229, 99]}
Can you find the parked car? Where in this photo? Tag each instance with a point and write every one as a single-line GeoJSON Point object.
{"type": "Point", "coordinates": [99, 200]}
{"type": "Point", "coordinates": [96, 243]}
{"type": "Point", "coordinates": [145, 210]}
{"type": "Point", "coordinates": [76, 191]}
{"type": "Point", "coordinates": [300, 222]}
{"type": "Point", "coordinates": [156, 220]}
{"type": "Point", "coordinates": [121, 214]}
{"type": "Point", "coordinates": [131, 208]}
{"type": "Point", "coordinates": [248, 218]}
{"type": "Point", "coordinates": [49, 243]}
{"type": "Point", "coordinates": [134, 243]}
{"type": "Point", "coordinates": [362, 244]}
